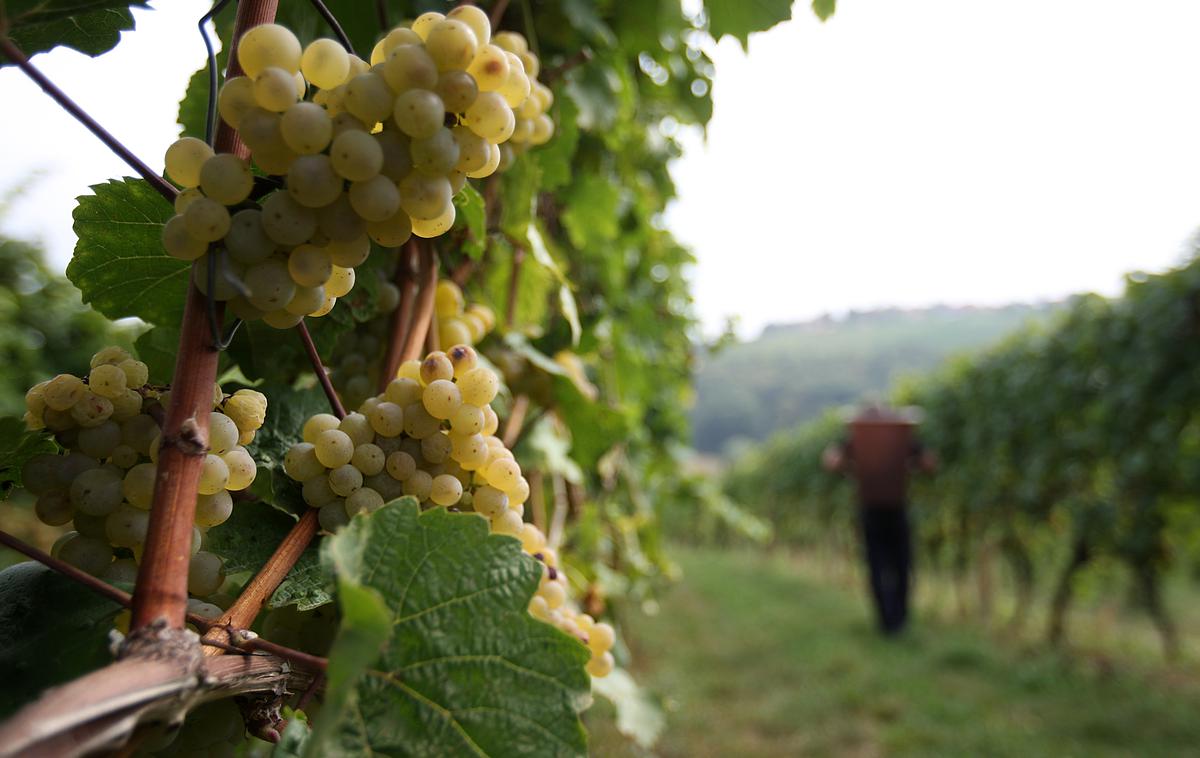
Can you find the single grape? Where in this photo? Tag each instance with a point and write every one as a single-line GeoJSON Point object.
{"type": "Point", "coordinates": [333, 448]}
{"type": "Point", "coordinates": [451, 44]}
{"type": "Point", "coordinates": [476, 19]}
{"type": "Point", "coordinates": [268, 45]}
{"type": "Point", "coordinates": [270, 284]}
{"type": "Point", "coordinates": [214, 475]}
{"type": "Point", "coordinates": [344, 480]}
{"type": "Point", "coordinates": [375, 199]}
{"type": "Point", "coordinates": [410, 67]}
{"type": "Point", "coordinates": [316, 424]}
{"type": "Point", "coordinates": [419, 113]}
{"type": "Point", "coordinates": [184, 159]}
{"type": "Point", "coordinates": [479, 386]}
{"type": "Point", "coordinates": [457, 89]}
{"type": "Point", "coordinates": [306, 128]}
{"type": "Point", "coordinates": [206, 574]}
{"type": "Point", "coordinates": [214, 509]}
{"type": "Point", "coordinates": [489, 68]}
{"type": "Point", "coordinates": [226, 178]}
{"type": "Point", "coordinates": [325, 63]}
{"type": "Point", "coordinates": [445, 490]}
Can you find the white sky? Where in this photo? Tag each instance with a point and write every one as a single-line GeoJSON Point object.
{"type": "Point", "coordinates": [903, 153]}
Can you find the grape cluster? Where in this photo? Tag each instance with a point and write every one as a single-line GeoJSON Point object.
{"type": "Point", "coordinates": [457, 322]}
{"type": "Point", "coordinates": [551, 604]}
{"type": "Point", "coordinates": [377, 153]}
{"type": "Point", "coordinates": [103, 483]}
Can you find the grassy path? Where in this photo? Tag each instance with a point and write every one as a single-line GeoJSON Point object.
{"type": "Point", "coordinates": [755, 658]}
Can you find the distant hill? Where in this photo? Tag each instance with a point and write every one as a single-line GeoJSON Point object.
{"type": "Point", "coordinates": [792, 372]}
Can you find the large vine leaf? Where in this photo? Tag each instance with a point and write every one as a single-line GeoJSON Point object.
{"type": "Point", "coordinates": [739, 19]}
{"type": "Point", "coordinates": [90, 26]}
{"type": "Point", "coordinates": [51, 631]}
{"type": "Point", "coordinates": [158, 348]}
{"type": "Point", "coordinates": [467, 670]}
{"type": "Point", "coordinates": [18, 445]}
{"type": "Point", "coordinates": [119, 263]}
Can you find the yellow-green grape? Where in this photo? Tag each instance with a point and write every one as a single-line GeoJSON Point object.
{"type": "Point", "coordinates": [351, 253]}
{"type": "Point", "coordinates": [466, 419]}
{"type": "Point", "coordinates": [226, 178]}
{"type": "Point", "coordinates": [510, 41]}
{"type": "Point", "coordinates": [325, 63]}
{"type": "Point", "coordinates": [306, 128]}
{"type": "Point", "coordinates": [282, 318]}
{"type": "Point", "coordinates": [344, 480]}
{"type": "Point", "coordinates": [268, 45]}
{"type": "Point", "coordinates": [410, 369]}
{"type": "Point", "coordinates": [490, 501]}
{"type": "Point", "coordinates": [138, 485]}
{"type": "Point", "coordinates": [356, 156]}
{"type": "Point", "coordinates": [410, 67]}
{"type": "Point", "coordinates": [226, 272]}
{"type": "Point", "coordinates": [489, 68]}
{"type": "Point", "coordinates": [437, 365]}
{"type": "Point", "coordinates": [213, 510]}
{"type": "Point", "coordinates": [369, 459]}
{"type": "Point", "coordinates": [445, 490]}
{"type": "Point", "coordinates": [429, 228]}
{"type": "Point", "coordinates": [507, 522]}
{"type": "Point", "coordinates": [344, 122]}
{"type": "Point", "coordinates": [436, 154]}
{"type": "Point", "coordinates": [400, 465]}
{"type": "Point", "coordinates": [247, 408]}
{"type": "Point", "coordinates": [87, 554]}
{"type": "Point", "coordinates": [368, 98]}
{"type": "Point", "coordinates": [340, 222]}
{"type": "Point", "coordinates": [358, 428]}
{"type": "Point", "coordinates": [425, 22]}
{"type": "Point", "coordinates": [543, 130]}
{"type": "Point", "coordinates": [136, 372]}
{"type": "Point", "coordinates": [517, 87]}
{"type": "Point", "coordinates": [403, 391]}
{"type": "Point", "coordinates": [138, 432]}
{"type": "Point", "coordinates": [397, 37]}
{"type": "Point", "coordinates": [242, 470]}
{"type": "Point", "coordinates": [423, 196]}
{"type": "Point", "coordinates": [490, 117]}
{"type": "Point", "coordinates": [492, 164]}
{"type": "Point", "coordinates": [333, 448]}
{"type": "Point", "coordinates": [112, 354]}
{"type": "Point", "coordinates": [309, 266]}
{"type": "Point", "coordinates": [457, 89]}
{"type": "Point", "coordinates": [91, 410]}
{"type": "Point", "coordinates": [341, 281]}
{"type": "Point", "coordinates": [235, 100]}
{"type": "Point", "coordinates": [473, 151]}
{"type": "Point", "coordinates": [287, 222]}
{"type": "Point", "coordinates": [321, 422]}
{"type": "Point", "coordinates": [418, 423]}
{"type": "Point", "coordinates": [520, 492]}
{"type": "Point", "coordinates": [63, 391]}
{"type": "Point", "coordinates": [503, 474]}
{"type": "Point", "coordinates": [316, 491]}
{"type": "Point", "coordinates": [260, 130]}
{"type": "Point", "coordinates": [419, 113]}
{"type": "Point", "coordinates": [246, 241]}
{"type": "Point", "coordinates": [214, 475]}
{"type": "Point", "coordinates": [307, 300]}
{"type": "Point", "coordinates": [451, 44]}
{"type": "Point", "coordinates": [128, 404]}
{"type": "Point", "coordinates": [96, 492]}
{"type": "Point", "coordinates": [222, 433]}
{"type": "Point", "coordinates": [363, 500]}
{"type": "Point", "coordinates": [126, 526]}
{"type": "Point", "coordinates": [107, 381]}
{"type": "Point", "coordinates": [330, 301]}
{"type": "Point", "coordinates": [123, 571]}
{"type": "Point", "coordinates": [457, 180]}
{"type": "Point", "coordinates": [601, 637]}
{"type": "Point", "coordinates": [600, 666]}
{"type": "Point", "coordinates": [300, 462]}
{"type": "Point", "coordinates": [332, 516]}
{"type": "Point", "coordinates": [442, 398]}
{"type": "Point", "coordinates": [532, 539]}
{"type": "Point", "coordinates": [436, 448]}
{"type": "Point", "coordinates": [393, 231]}
{"type": "Point", "coordinates": [387, 298]}
{"type": "Point", "coordinates": [418, 485]}
{"type": "Point", "coordinates": [531, 63]}
{"type": "Point", "coordinates": [275, 160]}
{"type": "Point", "coordinates": [186, 197]}
{"type": "Point", "coordinates": [98, 441]}
{"type": "Point", "coordinates": [312, 182]}
{"type": "Point", "coordinates": [379, 52]}
{"type": "Point", "coordinates": [206, 574]}
{"type": "Point", "coordinates": [396, 160]}
{"type": "Point", "coordinates": [124, 456]}
{"type": "Point", "coordinates": [476, 19]}
{"type": "Point", "coordinates": [387, 419]}
{"type": "Point", "coordinates": [184, 158]}
{"type": "Point", "coordinates": [479, 386]}
{"type": "Point", "coordinates": [206, 220]}
{"type": "Point", "coordinates": [275, 89]}
{"type": "Point", "coordinates": [271, 286]}
{"type": "Point", "coordinates": [375, 199]}
{"type": "Point", "coordinates": [463, 358]}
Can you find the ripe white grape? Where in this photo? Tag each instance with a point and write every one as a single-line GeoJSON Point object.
{"type": "Point", "coordinates": [222, 433]}
{"type": "Point", "coordinates": [479, 386]}
{"type": "Point", "coordinates": [363, 500]}
{"type": "Point", "coordinates": [179, 243]}
{"type": "Point", "coordinates": [275, 89]}
{"type": "Point", "coordinates": [489, 68]}
{"type": "Point", "coordinates": [333, 448]}
{"type": "Point", "coordinates": [213, 510]}
{"type": "Point", "coordinates": [503, 474]}
{"type": "Point", "coordinates": [396, 159]}
{"type": "Point", "coordinates": [316, 491]}
{"type": "Point", "coordinates": [532, 539]}
{"type": "Point", "coordinates": [214, 475]}
{"type": "Point", "coordinates": [601, 666]}
{"type": "Point", "coordinates": [268, 45]}
{"type": "Point", "coordinates": [419, 113]}
{"type": "Point", "coordinates": [356, 156]}
{"type": "Point", "coordinates": [54, 508]}
{"type": "Point", "coordinates": [235, 100]}
{"type": "Point", "coordinates": [332, 516]}
{"type": "Point", "coordinates": [312, 182]}
{"type": "Point", "coordinates": [321, 422]}
{"type": "Point", "coordinates": [351, 253]}
{"type": "Point", "coordinates": [376, 199]}
{"type": "Point", "coordinates": [136, 372]}
{"type": "Point", "coordinates": [436, 448]}
{"type": "Point", "coordinates": [246, 240]}
{"type": "Point", "coordinates": [306, 301]}
{"type": "Point", "coordinates": [418, 485]}
{"type": "Point", "coordinates": [490, 501]}
{"type": "Point", "coordinates": [423, 196]}
{"type": "Point", "coordinates": [206, 574]}
{"type": "Point", "coordinates": [309, 266]}
{"type": "Point", "coordinates": [325, 63]}
{"type": "Point", "coordinates": [369, 98]}
{"type": "Point", "coordinates": [126, 526]}
{"type": "Point", "coordinates": [369, 459]}
{"type": "Point", "coordinates": [492, 164]}
{"type": "Point", "coordinates": [387, 419]}
{"type": "Point", "coordinates": [475, 18]}
{"type": "Point", "coordinates": [425, 22]}
{"type": "Point", "coordinates": [226, 178]}
{"type": "Point", "coordinates": [358, 427]}
{"type": "Point", "coordinates": [341, 281]}
{"type": "Point", "coordinates": [138, 485]}
{"type": "Point", "coordinates": [401, 465]}
{"type": "Point", "coordinates": [397, 37]}
{"type": "Point", "coordinates": [490, 117]}
{"type": "Point", "coordinates": [86, 554]}
{"type": "Point", "coordinates": [271, 286]}
{"type": "Point", "coordinates": [451, 44]}
{"type": "Point", "coordinates": [300, 462]}
{"type": "Point", "coordinates": [517, 88]}
{"type": "Point", "coordinates": [410, 67]}
{"type": "Point", "coordinates": [507, 522]}
{"type": "Point", "coordinates": [437, 154]}
{"type": "Point", "coordinates": [184, 158]}
{"type": "Point", "coordinates": [340, 222]}
{"type": "Point", "coordinates": [393, 231]}
{"type": "Point", "coordinates": [242, 470]}
{"type": "Point", "coordinates": [123, 571]}
{"type": "Point", "coordinates": [344, 480]}
{"type": "Point", "coordinates": [445, 490]}
{"type": "Point", "coordinates": [306, 128]}
{"type": "Point", "coordinates": [429, 228]}
{"type": "Point", "coordinates": [206, 220]}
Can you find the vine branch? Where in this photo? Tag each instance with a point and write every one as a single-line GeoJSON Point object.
{"type": "Point", "coordinates": [402, 316]}
{"type": "Point", "coordinates": [319, 369]}
{"type": "Point", "coordinates": [423, 309]}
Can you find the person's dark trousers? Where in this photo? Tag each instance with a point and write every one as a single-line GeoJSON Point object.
{"type": "Point", "coordinates": [888, 543]}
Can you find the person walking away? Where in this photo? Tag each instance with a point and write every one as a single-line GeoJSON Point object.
{"type": "Point", "coordinates": [879, 452]}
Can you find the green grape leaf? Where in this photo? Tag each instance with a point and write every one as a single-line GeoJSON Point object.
{"type": "Point", "coordinates": [248, 539]}
{"type": "Point", "coordinates": [90, 26]}
{"type": "Point", "coordinates": [119, 263]}
{"type": "Point", "coordinates": [740, 19]}
{"type": "Point", "coordinates": [472, 215]}
{"type": "Point", "coordinates": [51, 631]}
{"type": "Point", "coordinates": [824, 8]}
{"type": "Point", "coordinates": [592, 217]}
{"type": "Point", "coordinates": [157, 348]}
{"type": "Point", "coordinates": [18, 445]}
{"type": "Point", "coordinates": [467, 670]}
{"type": "Point", "coordinates": [295, 736]}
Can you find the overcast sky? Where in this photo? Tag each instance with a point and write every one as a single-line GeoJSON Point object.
{"type": "Point", "coordinates": [900, 154]}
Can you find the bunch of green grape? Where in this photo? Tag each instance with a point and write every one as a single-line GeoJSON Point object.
{"type": "Point", "coordinates": [457, 322]}
{"type": "Point", "coordinates": [102, 483]}
{"type": "Point", "coordinates": [376, 154]}
{"type": "Point", "coordinates": [431, 435]}
{"type": "Point", "coordinates": [533, 124]}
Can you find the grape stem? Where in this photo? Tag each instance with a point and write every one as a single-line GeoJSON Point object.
{"type": "Point", "coordinates": [498, 12]}
{"type": "Point", "coordinates": [514, 286]}
{"type": "Point", "coordinates": [423, 309]}
{"type": "Point", "coordinates": [581, 56]}
{"type": "Point", "coordinates": [338, 31]}
{"type": "Point", "coordinates": [319, 369]}
{"type": "Point", "coordinates": [14, 54]}
{"type": "Point", "coordinates": [516, 420]}
{"type": "Point", "coordinates": [161, 589]}
{"type": "Point", "coordinates": [402, 316]}
{"type": "Point", "coordinates": [256, 593]}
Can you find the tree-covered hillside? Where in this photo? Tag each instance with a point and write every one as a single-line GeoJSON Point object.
{"type": "Point", "coordinates": [793, 372]}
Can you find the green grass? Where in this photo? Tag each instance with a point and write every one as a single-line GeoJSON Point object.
{"type": "Point", "coordinates": [756, 656]}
